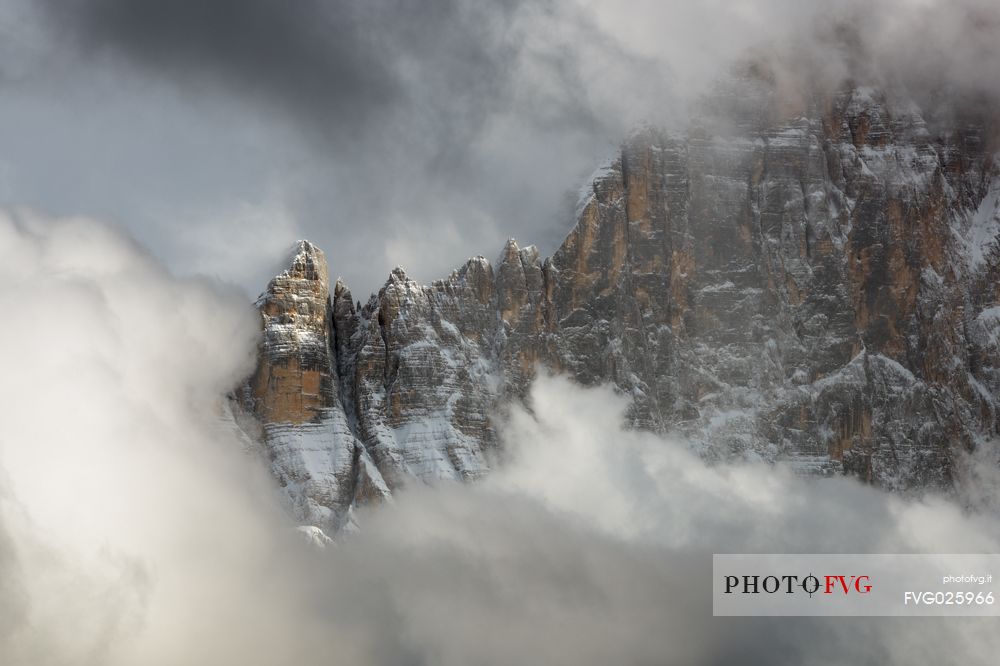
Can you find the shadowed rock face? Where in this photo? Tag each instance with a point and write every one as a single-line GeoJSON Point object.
{"type": "Point", "coordinates": [820, 290]}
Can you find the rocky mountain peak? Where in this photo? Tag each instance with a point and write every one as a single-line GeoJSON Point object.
{"type": "Point", "coordinates": [815, 287]}
{"type": "Point", "coordinates": [296, 395]}
{"type": "Point", "coordinates": [294, 309]}
{"type": "Point", "coordinates": [306, 263]}
{"type": "Point", "coordinates": [398, 274]}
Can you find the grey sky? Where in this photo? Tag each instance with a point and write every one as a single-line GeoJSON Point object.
{"type": "Point", "coordinates": [388, 132]}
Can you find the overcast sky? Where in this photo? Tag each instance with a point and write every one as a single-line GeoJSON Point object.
{"type": "Point", "coordinates": [388, 132]}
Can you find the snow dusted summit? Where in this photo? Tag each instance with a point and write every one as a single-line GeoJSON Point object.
{"type": "Point", "coordinates": [817, 285]}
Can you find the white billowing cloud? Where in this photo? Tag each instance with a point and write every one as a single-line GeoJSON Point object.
{"type": "Point", "coordinates": [593, 545]}
{"type": "Point", "coordinates": [135, 530]}
{"type": "Point", "coordinates": [639, 486]}
{"type": "Point", "coordinates": [130, 520]}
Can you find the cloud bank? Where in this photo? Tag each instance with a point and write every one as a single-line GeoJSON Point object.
{"type": "Point", "coordinates": [137, 528]}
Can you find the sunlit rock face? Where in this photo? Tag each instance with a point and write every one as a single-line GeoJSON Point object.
{"type": "Point", "coordinates": [321, 466]}
{"type": "Point", "coordinates": [818, 287]}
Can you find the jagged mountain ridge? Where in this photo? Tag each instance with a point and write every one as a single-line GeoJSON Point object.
{"type": "Point", "coordinates": [818, 287]}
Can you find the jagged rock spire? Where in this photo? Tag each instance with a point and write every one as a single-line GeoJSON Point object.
{"type": "Point", "coordinates": [727, 285]}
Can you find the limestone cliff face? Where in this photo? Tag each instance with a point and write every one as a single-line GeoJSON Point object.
{"type": "Point", "coordinates": [820, 290]}
{"type": "Point", "coordinates": [800, 290]}
{"type": "Point", "coordinates": [293, 383]}
{"type": "Point", "coordinates": [321, 466]}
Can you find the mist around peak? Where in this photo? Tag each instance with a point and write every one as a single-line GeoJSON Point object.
{"type": "Point", "coordinates": [137, 527]}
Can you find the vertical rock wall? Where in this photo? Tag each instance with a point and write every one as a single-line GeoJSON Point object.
{"type": "Point", "coordinates": [820, 290]}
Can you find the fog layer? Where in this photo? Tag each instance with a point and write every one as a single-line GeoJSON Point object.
{"type": "Point", "coordinates": [136, 529]}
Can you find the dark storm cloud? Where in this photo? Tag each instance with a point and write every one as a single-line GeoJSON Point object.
{"type": "Point", "coordinates": [422, 126]}
{"type": "Point", "coordinates": [313, 62]}
{"type": "Point", "coordinates": [342, 68]}
{"type": "Point", "coordinates": [393, 132]}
